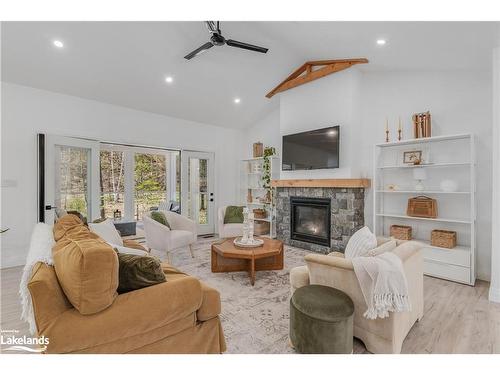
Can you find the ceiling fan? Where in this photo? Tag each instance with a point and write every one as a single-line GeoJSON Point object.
{"type": "Point", "coordinates": [217, 39]}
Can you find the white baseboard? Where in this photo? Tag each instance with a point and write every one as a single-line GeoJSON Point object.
{"type": "Point", "coordinates": [494, 295]}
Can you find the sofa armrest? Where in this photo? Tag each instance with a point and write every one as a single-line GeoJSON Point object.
{"type": "Point", "coordinates": [331, 261]}
{"type": "Point", "coordinates": [210, 304]}
{"type": "Point", "coordinates": [130, 314]}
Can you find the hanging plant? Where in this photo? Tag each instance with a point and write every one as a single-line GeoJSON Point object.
{"type": "Point", "coordinates": [266, 174]}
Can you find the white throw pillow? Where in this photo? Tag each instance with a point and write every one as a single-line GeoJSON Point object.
{"type": "Point", "coordinates": [385, 247]}
{"type": "Point", "coordinates": [129, 250]}
{"type": "Point", "coordinates": [360, 243]}
{"type": "Point", "coordinates": [107, 231]}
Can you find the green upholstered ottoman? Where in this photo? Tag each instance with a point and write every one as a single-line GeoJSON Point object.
{"type": "Point", "coordinates": [321, 320]}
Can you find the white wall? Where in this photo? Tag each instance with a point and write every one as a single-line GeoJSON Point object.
{"type": "Point", "coordinates": [494, 293]}
{"type": "Point", "coordinates": [27, 111]}
{"type": "Point", "coordinates": [459, 102]}
{"type": "Point", "coordinates": [266, 130]}
{"type": "Point", "coordinates": [330, 101]}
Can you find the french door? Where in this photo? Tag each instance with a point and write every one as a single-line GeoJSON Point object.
{"type": "Point", "coordinates": [69, 176]}
{"type": "Point", "coordinates": [197, 189]}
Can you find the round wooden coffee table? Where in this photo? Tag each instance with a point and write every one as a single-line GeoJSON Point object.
{"type": "Point", "coordinates": [227, 257]}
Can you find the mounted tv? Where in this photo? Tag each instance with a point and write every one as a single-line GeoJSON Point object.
{"type": "Point", "coordinates": [316, 149]}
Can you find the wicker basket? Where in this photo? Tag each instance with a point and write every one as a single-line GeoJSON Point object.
{"type": "Point", "coordinates": [259, 213]}
{"type": "Point", "coordinates": [422, 206]}
{"type": "Point", "coordinates": [261, 227]}
{"type": "Point", "coordinates": [401, 232]}
{"type": "Point", "coordinates": [444, 238]}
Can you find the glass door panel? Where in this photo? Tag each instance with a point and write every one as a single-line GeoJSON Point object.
{"type": "Point", "coordinates": [70, 177]}
{"type": "Point", "coordinates": [197, 189]}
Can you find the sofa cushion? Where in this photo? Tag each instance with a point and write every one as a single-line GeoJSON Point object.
{"type": "Point", "coordinates": [161, 218]}
{"type": "Point", "coordinates": [360, 243]}
{"type": "Point", "coordinates": [233, 215]}
{"type": "Point", "coordinates": [107, 231]}
{"type": "Point", "coordinates": [138, 271]}
{"type": "Point", "coordinates": [86, 266]}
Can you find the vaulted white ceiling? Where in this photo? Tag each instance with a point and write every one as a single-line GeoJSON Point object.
{"type": "Point", "coordinates": [125, 63]}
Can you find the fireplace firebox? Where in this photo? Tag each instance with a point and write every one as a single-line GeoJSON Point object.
{"type": "Point", "coordinates": [310, 220]}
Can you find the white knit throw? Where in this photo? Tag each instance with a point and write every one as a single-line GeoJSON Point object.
{"type": "Point", "coordinates": [383, 282]}
{"type": "Point", "coordinates": [40, 250]}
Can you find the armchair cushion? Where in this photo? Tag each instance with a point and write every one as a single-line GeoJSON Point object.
{"type": "Point", "coordinates": [160, 217]}
{"type": "Point", "coordinates": [360, 243]}
{"type": "Point", "coordinates": [233, 215]}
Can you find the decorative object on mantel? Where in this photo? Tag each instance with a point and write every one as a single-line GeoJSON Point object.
{"type": "Point", "coordinates": [422, 125]}
{"type": "Point", "coordinates": [422, 206]}
{"type": "Point", "coordinates": [386, 130]}
{"type": "Point", "coordinates": [258, 150]}
{"type": "Point", "coordinates": [419, 174]}
{"type": "Point", "coordinates": [312, 70]}
{"type": "Point", "coordinates": [444, 238]}
{"type": "Point", "coordinates": [401, 232]}
{"type": "Point", "coordinates": [324, 182]}
{"type": "Point", "coordinates": [400, 129]}
{"type": "Point", "coordinates": [448, 186]}
{"type": "Point", "coordinates": [392, 187]}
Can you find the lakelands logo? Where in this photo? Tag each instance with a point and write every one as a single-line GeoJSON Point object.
{"type": "Point", "coordinates": [23, 343]}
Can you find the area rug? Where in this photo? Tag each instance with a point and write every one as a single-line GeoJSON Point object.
{"type": "Point", "coordinates": [254, 318]}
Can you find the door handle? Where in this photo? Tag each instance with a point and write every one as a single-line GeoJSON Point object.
{"type": "Point", "coordinates": [49, 207]}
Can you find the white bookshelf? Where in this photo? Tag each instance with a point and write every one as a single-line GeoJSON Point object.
{"type": "Point", "coordinates": [251, 180]}
{"type": "Point", "coordinates": [445, 158]}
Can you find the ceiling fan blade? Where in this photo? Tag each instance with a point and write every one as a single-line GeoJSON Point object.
{"type": "Point", "coordinates": [250, 47]}
{"type": "Point", "coordinates": [198, 50]}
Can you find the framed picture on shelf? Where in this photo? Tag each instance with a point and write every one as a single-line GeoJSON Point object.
{"type": "Point", "coordinates": [412, 157]}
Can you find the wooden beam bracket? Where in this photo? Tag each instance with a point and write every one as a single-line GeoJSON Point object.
{"type": "Point", "coordinates": [312, 70]}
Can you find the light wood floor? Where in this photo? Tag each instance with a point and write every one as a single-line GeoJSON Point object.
{"type": "Point", "coordinates": [457, 318]}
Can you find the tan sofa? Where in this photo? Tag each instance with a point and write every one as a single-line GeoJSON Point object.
{"type": "Point", "coordinates": [378, 335]}
{"type": "Point", "coordinates": [177, 316]}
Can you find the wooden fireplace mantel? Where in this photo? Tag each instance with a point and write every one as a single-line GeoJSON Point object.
{"type": "Point", "coordinates": [326, 183]}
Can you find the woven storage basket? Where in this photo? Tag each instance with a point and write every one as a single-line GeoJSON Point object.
{"type": "Point", "coordinates": [259, 213]}
{"type": "Point", "coordinates": [401, 232]}
{"type": "Point", "coordinates": [444, 238]}
{"type": "Point", "coordinates": [261, 227]}
{"type": "Point", "coordinates": [422, 206]}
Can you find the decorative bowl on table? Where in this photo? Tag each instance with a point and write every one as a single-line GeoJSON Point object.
{"type": "Point", "coordinates": [254, 242]}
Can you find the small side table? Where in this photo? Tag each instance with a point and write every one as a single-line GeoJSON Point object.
{"type": "Point", "coordinates": [126, 227]}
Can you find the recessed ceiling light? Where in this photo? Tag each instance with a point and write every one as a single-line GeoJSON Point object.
{"type": "Point", "coordinates": [381, 42]}
{"type": "Point", "coordinates": [169, 79]}
{"type": "Point", "coordinates": [237, 100]}
{"type": "Point", "coordinates": [58, 43]}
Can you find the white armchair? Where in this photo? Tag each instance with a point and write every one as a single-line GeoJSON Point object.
{"type": "Point", "coordinates": [379, 335]}
{"type": "Point", "coordinates": [228, 230]}
{"type": "Point", "coordinates": [159, 237]}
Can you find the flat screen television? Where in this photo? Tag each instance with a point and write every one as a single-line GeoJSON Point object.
{"type": "Point", "coordinates": [315, 149]}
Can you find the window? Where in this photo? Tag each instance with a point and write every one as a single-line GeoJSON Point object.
{"type": "Point", "coordinates": [136, 180]}
{"type": "Point", "coordinates": [150, 182]}
{"type": "Point", "coordinates": [112, 183]}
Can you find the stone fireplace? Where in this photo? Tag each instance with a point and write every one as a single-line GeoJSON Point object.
{"type": "Point", "coordinates": [321, 219]}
